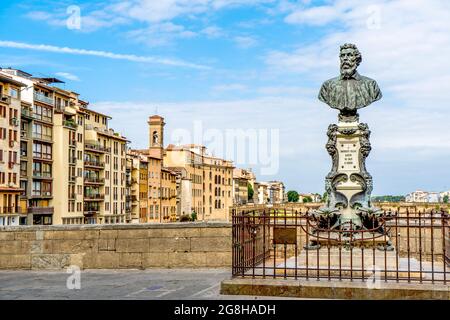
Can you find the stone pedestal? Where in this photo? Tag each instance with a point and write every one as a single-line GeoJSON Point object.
{"type": "Point", "coordinates": [348, 184]}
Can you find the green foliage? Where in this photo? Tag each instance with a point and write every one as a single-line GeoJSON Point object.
{"type": "Point", "coordinates": [292, 196]}
{"type": "Point", "coordinates": [307, 199]}
{"type": "Point", "coordinates": [325, 197]}
{"type": "Point", "coordinates": [388, 198]}
{"type": "Point", "coordinates": [250, 191]}
{"type": "Point", "coordinates": [193, 216]}
{"type": "Point", "coordinates": [445, 199]}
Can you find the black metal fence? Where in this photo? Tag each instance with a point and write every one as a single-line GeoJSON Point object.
{"type": "Point", "coordinates": [286, 243]}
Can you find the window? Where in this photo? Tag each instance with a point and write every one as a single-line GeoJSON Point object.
{"type": "Point", "coordinates": [42, 113]}
{"type": "Point", "coordinates": [42, 151]}
{"type": "Point", "coordinates": [41, 131]}
{"type": "Point", "coordinates": [14, 92]}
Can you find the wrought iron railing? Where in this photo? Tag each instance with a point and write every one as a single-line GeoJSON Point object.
{"type": "Point", "coordinates": [286, 244]}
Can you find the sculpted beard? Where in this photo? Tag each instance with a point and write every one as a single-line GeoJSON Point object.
{"type": "Point", "coordinates": [348, 69]}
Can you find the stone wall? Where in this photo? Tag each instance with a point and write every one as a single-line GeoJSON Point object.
{"type": "Point", "coordinates": [174, 245]}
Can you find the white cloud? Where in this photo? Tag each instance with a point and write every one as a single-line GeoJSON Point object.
{"type": "Point", "coordinates": [163, 10]}
{"type": "Point", "coordinates": [314, 16]}
{"type": "Point", "coordinates": [230, 87]}
{"type": "Point", "coordinates": [103, 54]}
{"type": "Point", "coordinates": [161, 34]}
{"type": "Point", "coordinates": [245, 41]}
{"type": "Point", "coordinates": [213, 32]}
{"type": "Point", "coordinates": [68, 76]}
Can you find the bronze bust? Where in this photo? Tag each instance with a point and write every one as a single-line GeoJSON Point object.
{"type": "Point", "coordinates": [350, 91]}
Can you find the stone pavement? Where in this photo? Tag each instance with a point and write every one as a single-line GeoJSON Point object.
{"type": "Point", "coordinates": [148, 284]}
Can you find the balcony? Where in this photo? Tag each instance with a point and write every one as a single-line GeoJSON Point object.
{"type": "Point", "coordinates": [94, 197]}
{"type": "Point", "coordinates": [11, 210]}
{"type": "Point", "coordinates": [43, 98]}
{"type": "Point", "coordinates": [24, 134]}
{"type": "Point", "coordinates": [70, 124]}
{"type": "Point", "coordinates": [43, 137]}
{"type": "Point", "coordinates": [94, 164]}
{"type": "Point", "coordinates": [92, 212]}
{"type": "Point", "coordinates": [5, 99]}
{"type": "Point", "coordinates": [42, 194]}
{"type": "Point", "coordinates": [41, 210]}
{"type": "Point", "coordinates": [27, 113]}
{"type": "Point", "coordinates": [93, 180]}
{"type": "Point", "coordinates": [14, 122]}
{"type": "Point", "coordinates": [131, 198]}
{"type": "Point", "coordinates": [42, 175]}
{"type": "Point", "coordinates": [96, 148]}
{"type": "Point", "coordinates": [42, 156]}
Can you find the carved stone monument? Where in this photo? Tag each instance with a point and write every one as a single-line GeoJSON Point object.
{"type": "Point", "coordinates": [348, 185]}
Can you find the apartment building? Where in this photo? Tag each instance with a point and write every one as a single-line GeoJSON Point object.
{"type": "Point", "coordinates": [210, 181]}
{"type": "Point", "coordinates": [276, 192]}
{"type": "Point", "coordinates": [423, 196]}
{"type": "Point", "coordinates": [242, 179]}
{"type": "Point", "coordinates": [104, 159]}
{"type": "Point", "coordinates": [138, 197]}
{"type": "Point", "coordinates": [168, 195]}
{"type": "Point", "coordinates": [154, 189]}
{"type": "Point", "coordinates": [72, 165]}
{"type": "Point", "coordinates": [262, 192]}
{"type": "Point", "coordinates": [11, 212]}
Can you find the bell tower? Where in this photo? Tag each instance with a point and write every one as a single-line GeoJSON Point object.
{"type": "Point", "coordinates": [156, 136]}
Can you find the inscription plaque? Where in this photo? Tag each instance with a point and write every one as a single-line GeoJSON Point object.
{"type": "Point", "coordinates": [284, 235]}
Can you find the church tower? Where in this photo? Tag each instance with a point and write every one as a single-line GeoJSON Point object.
{"type": "Point", "coordinates": [156, 136]}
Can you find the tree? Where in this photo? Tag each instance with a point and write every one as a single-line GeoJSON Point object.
{"type": "Point", "coordinates": [250, 192]}
{"type": "Point", "coordinates": [193, 215]}
{"type": "Point", "coordinates": [325, 197]}
{"type": "Point", "coordinates": [445, 199]}
{"type": "Point", "coordinates": [292, 196]}
{"type": "Point", "coordinates": [307, 199]}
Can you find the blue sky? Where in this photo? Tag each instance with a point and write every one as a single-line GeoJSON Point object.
{"type": "Point", "coordinates": [254, 64]}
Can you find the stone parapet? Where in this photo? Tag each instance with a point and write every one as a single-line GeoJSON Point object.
{"type": "Point", "coordinates": [140, 246]}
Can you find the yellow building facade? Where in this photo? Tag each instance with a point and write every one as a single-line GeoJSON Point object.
{"type": "Point", "coordinates": [11, 212]}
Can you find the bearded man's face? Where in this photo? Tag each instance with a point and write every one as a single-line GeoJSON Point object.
{"type": "Point", "coordinates": [348, 62]}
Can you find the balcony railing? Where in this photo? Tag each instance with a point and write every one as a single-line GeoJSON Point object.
{"type": "Point", "coordinates": [42, 98]}
{"type": "Point", "coordinates": [14, 122]}
{"type": "Point", "coordinates": [42, 156]}
{"type": "Point", "coordinates": [96, 147]}
{"type": "Point", "coordinates": [42, 136]}
{"type": "Point", "coordinates": [5, 99]}
{"type": "Point", "coordinates": [94, 196]}
{"type": "Point", "coordinates": [42, 194]}
{"type": "Point", "coordinates": [91, 212]}
{"type": "Point", "coordinates": [41, 210]}
{"type": "Point", "coordinates": [10, 210]}
{"type": "Point", "coordinates": [42, 175]}
{"type": "Point", "coordinates": [26, 112]}
{"type": "Point", "coordinates": [94, 180]}
{"type": "Point", "coordinates": [90, 163]}
{"type": "Point", "coordinates": [70, 124]}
